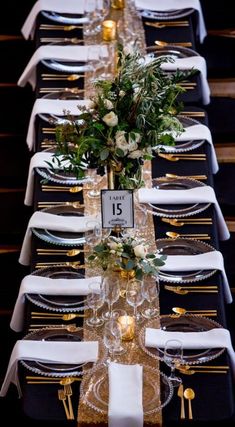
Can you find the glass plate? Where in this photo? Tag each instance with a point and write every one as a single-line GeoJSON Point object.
{"type": "Point", "coordinates": [58, 303]}
{"type": "Point", "coordinates": [166, 15]}
{"type": "Point", "coordinates": [65, 18]}
{"type": "Point", "coordinates": [174, 210]}
{"type": "Point", "coordinates": [183, 246]}
{"type": "Point", "coordinates": [186, 323]}
{"type": "Point", "coordinates": [60, 176]}
{"type": "Point", "coordinates": [95, 387]}
{"type": "Point", "coordinates": [61, 95]}
{"type": "Point", "coordinates": [64, 334]}
{"type": "Point", "coordinates": [174, 52]}
{"type": "Point", "coordinates": [66, 66]}
{"type": "Point", "coordinates": [63, 238]}
{"type": "Point", "coordinates": [183, 146]}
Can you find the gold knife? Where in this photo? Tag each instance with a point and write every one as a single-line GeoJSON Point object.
{"type": "Point", "coordinates": [180, 393]}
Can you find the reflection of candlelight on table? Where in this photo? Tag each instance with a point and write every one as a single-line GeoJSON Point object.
{"type": "Point", "coordinates": [109, 30]}
{"type": "Point", "coordinates": [127, 324]}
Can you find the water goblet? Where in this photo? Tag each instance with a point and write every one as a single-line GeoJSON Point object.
{"type": "Point", "coordinates": [150, 289]}
{"type": "Point", "coordinates": [95, 300]}
{"type": "Point", "coordinates": [111, 287]}
{"type": "Point", "coordinates": [134, 296]}
{"type": "Point", "coordinates": [173, 356]}
{"type": "Point", "coordinates": [112, 337]}
{"type": "Point", "coordinates": [93, 233]}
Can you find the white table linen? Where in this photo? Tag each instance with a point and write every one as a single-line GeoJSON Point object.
{"type": "Point", "coordinates": [196, 132]}
{"type": "Point", "coordinates": [57, 107]}
{"type": "Point", "coordinates": [204, 194]}
{"type": "Point", "coordinates": [168, 5]}
{"type": "Point", "coordinates": [59, 6]}
{"type": "Point", "coordinates": [208, 261]}
{"type": "Point", "coordinates": [215, 338]}
{"type": "Point", "coordinates": [45, 351]}
{"type": "Point", "coordinates": [125, 395]}
{"type": "Point", "coordinates": [59, 53]}
{"type": "Point", "coordinates": [46, 286]}
{"type": "Point", "coordinates": [50, 221]}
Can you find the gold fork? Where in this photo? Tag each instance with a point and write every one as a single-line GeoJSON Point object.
{"type": "Point", "coordinates": [62, 397]}
{"type": "Point", "coordinates": [68, 392]}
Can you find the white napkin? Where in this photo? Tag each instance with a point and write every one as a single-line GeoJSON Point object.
{"type": "Point", "coordinates": [38, 160]}
{"type": "Point", "coordinates": [175, 5]}
{"type": "Point", "coordinates": [45, 351]}
{"type": "Point", "coordinates": [59, 53]}
{"type": "Point", "coordinates": [58, 107]}
{"type": "Point", "coordinates": [44, 220]}
{"type": "Point", "coordinates": [196, 132]}
{"type": "Point", "coordinates": [125, 395]}
{"type": "Point", "coordinates": [196, 62]}
{"type": "Point", "coordinates": [204, 194]}
{"type": "Point", "coordinates": [44, 285]}
{"type": "Point", "coordinates": [210, 260]}
{"type": "Point", "coordinates": [215, 338]}
{"type": "Point", "coordinates": [59, 6]}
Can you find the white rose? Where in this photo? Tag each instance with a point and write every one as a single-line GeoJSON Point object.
{"type": "Point", "coordinates": [121, 141]}
{"type": "Point", "coordinates": [122, 93]}
{"type": "Point", "coordinates": [113, 246]}
{"type": "Point", "coordinates": [111, 119]}
{"type": "Point", "coordinates": [108, 104]}
{"type": "Point", "coordinates": [135, 154]}
{"type": "Point", "coordinates": [140, 251]}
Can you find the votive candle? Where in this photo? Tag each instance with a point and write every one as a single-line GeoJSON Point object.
{"type": "Point", "coordinates": [109, 30]}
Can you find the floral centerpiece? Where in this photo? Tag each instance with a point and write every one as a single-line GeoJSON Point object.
{"type": "Point", "coordinates": [128, 254]}
{"type": "Point", "coordinates": [127, 119]}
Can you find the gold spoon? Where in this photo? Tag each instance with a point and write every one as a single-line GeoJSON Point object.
{"type": "Point", "coordinates": [199, 177]}
{"type": "Point", "coordinates": [179, 291]}
{"type": "Point", "coordinates": [181, 311]}
{"type": "Point", "coordinates": [75, 189]}
{"type": "Point", "coordinates": [71, 252]}
{"type": "Point", "coordinates": [66, 317]}
{"type": "Point", "coordinates": [201, 371]}
{"type": "Point", "coordinates": [189, 395]}
{"type": "Point", "coordinates": [161, 43]}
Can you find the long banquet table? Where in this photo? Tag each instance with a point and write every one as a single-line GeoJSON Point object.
{"type": "Point", "coordinates": [214, 400]}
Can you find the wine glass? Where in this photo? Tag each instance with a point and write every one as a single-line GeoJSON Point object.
{"type": "Point", "coordinates": [150, 289]}
{"type": "Point", "coordinates": [90, 13]}
{"type": "Point", "coordinates": [173, 356]}
{"type": "Point", "coordinates": [112, 337]}
{"type": "Point", "coordinates": [95, 180]}
{"type": "Point", "coordinates": [111, 287]}
{"type": "Point", "coordinates": [93, 233]}
{"type": "Point", "coordinates": [95, 300]}
{"type": "Point", "coordinates": [134, 296]}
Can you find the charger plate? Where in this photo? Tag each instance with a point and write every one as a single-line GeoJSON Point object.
{"type": "Point", "coordinates": [186, 323]}
{"type": "Point", "coordinates": [67, 335]}
{"type": "Point", "coordinates": [95, 390]}
{"type": "Point", "coordinates": [165, 15]}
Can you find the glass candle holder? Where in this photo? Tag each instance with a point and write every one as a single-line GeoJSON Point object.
{"type": "Point", "coordinates": [109, 30]}
{"type": "Point", "coordinates": [127, 324]}
{"type": "Point", "coordinates": [118, 4]}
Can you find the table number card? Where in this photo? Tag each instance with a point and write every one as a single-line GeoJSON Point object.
{"type": "Point", "coordinates": [117, 208]}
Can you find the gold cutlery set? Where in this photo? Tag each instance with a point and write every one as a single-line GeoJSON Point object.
{"type": "Point", "coordinates": [68, 77]}
{"type": "Point", "coordinates": [167, 24]}
{"type": "Point", "coordinates": [73, 40]}
{"type": "Point", "coordinates": [66, 317]}
{"type": "Point", "coordinates": [187, 221]}
{"type": "Point", "coordinates": [173, 176]}
{"type": "Point", "coordinates": [75, 264]}
{"type": "Point", "coordinates": [69, 253]}
{"type": "Point", "coordinates": [180, 311]}
{"type": "Point", "coordinates": [180, 156]}
{"type": "Point", "coordinates": [75, 189]}
{"type": "Point", "coordinates": [184, 290]}
{"type": "Point", "coordinates": [53, 27]}
{"type": "Point", "coordinates": [75, 205]}
{"type": "Point", "coordinates": [201, 236]}
{"type": "Point", "coordinates": [203, 369]}
{"type": "Point", "coordinates": [189, 395]}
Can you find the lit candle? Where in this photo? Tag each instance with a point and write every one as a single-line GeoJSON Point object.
{"type": "Point", "coordinates": [127, 324]}
{"type": "Point", "coordinates": [118, 4]}
{"type": "Point", "coordinates": [109, 30]}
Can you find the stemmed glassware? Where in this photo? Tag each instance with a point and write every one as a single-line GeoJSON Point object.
{"type": "Point", "coordinates": [90, 12]}
{"type": "Point", "coordinates": [173, 356]}
{"type": "Point", "coordinates": [95, 180]}
{"type": "Point", "coordinates": [112, 337]}
{"type": "Point", "coordinates": [111, 287]}
{"type": "Point", "coordinates": [95, 300]}
{"type": "Point", "coordinates": [150, 289]}
{"type": "Point", "coordinates": [134, 296]}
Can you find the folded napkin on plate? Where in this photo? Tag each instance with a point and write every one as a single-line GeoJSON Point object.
{"type": "Point", "coordinates": [52, 106]}
{"type": "Point", "coordinates": [44, 285]}
{"type": "Point", "coordinates": [204, 194]}
{"type": "Point", "coordinates": [215, 338]}
{"type": "Point", "coordinates": [38, 160]}
{"type": "Point", "coordinates": [44, 220]}
{"type": "Point", "coordinates": [168, 5]}
{"type": "Point", "coordinates": [59, 53]}
{"type": "Point", "coordinates": [125, 395]}
{"type": "Point", "coordinates": [207, 261]}
{"type": "Point", "coordinates": [196, 132]}
{"type": "Point", "coordinates": [59, 6]}
{"type": "Point", "coordinates": [45, 351]}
